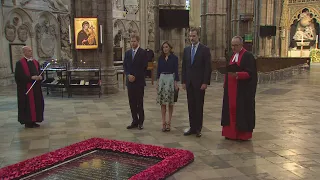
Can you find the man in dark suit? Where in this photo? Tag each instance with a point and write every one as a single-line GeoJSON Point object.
{"type": "Point", "coordinates": [196, 76]}
{"type": "Point", "coordinates": [135, 65]}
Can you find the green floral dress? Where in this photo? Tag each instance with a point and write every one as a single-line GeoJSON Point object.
{"type": "Point", "coordinates": [166, 89]}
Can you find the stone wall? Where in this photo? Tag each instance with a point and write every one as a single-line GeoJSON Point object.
{"type": "Point", "coordinates": [36, 23]}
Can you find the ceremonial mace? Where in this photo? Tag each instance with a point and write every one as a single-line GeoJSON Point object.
{"type": "Point", "coordinates": [36, 80]}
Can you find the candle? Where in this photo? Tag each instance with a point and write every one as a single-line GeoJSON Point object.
{"type": "Point", "coordinates": [70, 34]}
{"type": "Point", "coordinates": [101, 34]}
{"type": "Point", "coordinates": [317, 42]}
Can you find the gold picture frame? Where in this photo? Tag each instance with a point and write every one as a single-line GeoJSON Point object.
{"type": "Point", "coordinates": [86, 33]}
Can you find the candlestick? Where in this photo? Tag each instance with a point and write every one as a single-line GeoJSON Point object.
{"type": "Point", "coordinates": [301, 49]}
{"type": "Point", "coordinates": [70, 34]}
{"type": "Point", "coordinates": [101, 34]}
{"type": "Point", "coordinates": [317, 42]}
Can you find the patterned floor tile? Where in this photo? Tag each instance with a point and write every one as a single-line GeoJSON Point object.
{"type": "Point", "coordinates": [285, 142]}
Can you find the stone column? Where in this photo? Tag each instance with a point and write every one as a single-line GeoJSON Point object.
{"type": "Point", "coordinates": [104, 54]}
{"type": "Point", "coordinates": [109, 81]}
{"type": "Point", "coordinates": [284, 30]}
{"type": "Point", "coordinates": [2, 64]}
{"type": "Point", "coordinates": [204, 7]}
{"type": "Point", "coordinates": [216, 28]}
{"type": "Point", "coordinates": [195, 11]}
{"type": "Point", "coordinates": [266, 11]}
{"type": "Point", "coordinates": [143, 11]}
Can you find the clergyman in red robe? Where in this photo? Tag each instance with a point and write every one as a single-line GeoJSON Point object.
{"type": "Point", "coordinates": [238, 110]}
{"type": "Point", "coordinates": [30, 106]}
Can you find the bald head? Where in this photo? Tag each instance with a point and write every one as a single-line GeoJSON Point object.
{"type": "Point", "coordinates": [237, 44]}
{"type": "Point", "coordinates": [27, 51]}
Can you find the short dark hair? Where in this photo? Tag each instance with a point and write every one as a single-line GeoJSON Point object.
{"type": "Point", "coordinates": [137, 37]}
{"type": "Point", "coordinates": [195, 29]}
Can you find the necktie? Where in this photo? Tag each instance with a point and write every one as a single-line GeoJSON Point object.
{"type": "Point", "coordinates": [193, 52]}
{"type": "Point", "coordinates": [133, 53]}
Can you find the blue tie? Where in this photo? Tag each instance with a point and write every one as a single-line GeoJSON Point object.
{"type": "Point", "coordinates": [193, 52]}
{"type": "Point", "coordinates": [132, 54]}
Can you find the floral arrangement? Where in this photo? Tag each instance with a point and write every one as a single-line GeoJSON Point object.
{"type": "Point", "coordinates": [173, 159]}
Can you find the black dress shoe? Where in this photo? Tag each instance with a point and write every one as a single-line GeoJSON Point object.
{"type": "Point", "coordinates": [132, 126]}
{"type": "Point", "coordinates": [28, 126]}
{"type": "Point", "coordinates": [187, 133]}
{"type": "Point", "coordinates": [198, 134]}
{"type": "Point", "coordinates": [140, 127]}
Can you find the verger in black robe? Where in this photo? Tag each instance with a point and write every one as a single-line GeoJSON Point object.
{"type": "Point", "coordinates": [31, 106]}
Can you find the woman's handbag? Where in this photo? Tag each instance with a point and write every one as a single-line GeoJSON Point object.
{"type": "Point", "coordinates": [176, 94]}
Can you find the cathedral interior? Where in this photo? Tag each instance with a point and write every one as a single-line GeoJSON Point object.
{"type": "Point", "coordinates": [86, 97]}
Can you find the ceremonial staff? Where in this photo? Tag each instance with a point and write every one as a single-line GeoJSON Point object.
{"type": "Point", "coordinates": [36, 80]}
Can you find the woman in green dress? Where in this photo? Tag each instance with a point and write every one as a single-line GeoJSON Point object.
{"type": "Point", "coordinates": [168, 77]}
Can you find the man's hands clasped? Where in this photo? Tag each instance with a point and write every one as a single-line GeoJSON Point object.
{"type": "Point", "coordinates": [131, 78]}
{"type": "Point", "coordinates": [37, 78]}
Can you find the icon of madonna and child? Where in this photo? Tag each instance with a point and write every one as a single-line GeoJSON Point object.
{"type": "Point", "coordinates": [87, 37]}
{"type": "Point", "coordinates": [305, 28]}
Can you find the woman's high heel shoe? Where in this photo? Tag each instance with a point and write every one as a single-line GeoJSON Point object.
{"type": "Point", "coordinates": [168, 128]}
{"type": "Point", "coordinates": [164, 127]}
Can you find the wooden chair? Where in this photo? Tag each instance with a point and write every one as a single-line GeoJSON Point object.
{"type": "Point", "coordinates": [119, 69]}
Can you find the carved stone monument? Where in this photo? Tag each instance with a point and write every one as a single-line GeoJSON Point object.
{"type": "Point", "coordinates": [23, 32]}
{"type": "Point", "coordinates": [10, 32]}
{"type": "Point", "coordinates": [131, 6]}
{"type": "Point", "coordinates": [46, 39]}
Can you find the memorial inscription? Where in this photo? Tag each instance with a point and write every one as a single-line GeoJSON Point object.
{"type": "Point", "coordinates": [99, 165]}
{"type": "Point", "coordinates": [15, 54]}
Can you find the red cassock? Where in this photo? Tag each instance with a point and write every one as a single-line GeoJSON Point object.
{"type": "Point", "coordinates": [239, 126]}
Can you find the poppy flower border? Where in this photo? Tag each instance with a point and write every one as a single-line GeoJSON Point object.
{"type": "Point", "coordinates": [172, 159]}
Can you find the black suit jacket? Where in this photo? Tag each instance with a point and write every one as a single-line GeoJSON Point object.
{"type": "Point", "coordinates": [136, 67]}
{"type": "Point", "coordinates": [199, 72]}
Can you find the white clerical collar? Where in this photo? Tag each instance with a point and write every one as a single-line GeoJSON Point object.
{"type": "Point", "coordinates": [236, 56]}
{"type": "Point", "coordinates": [29, 59]}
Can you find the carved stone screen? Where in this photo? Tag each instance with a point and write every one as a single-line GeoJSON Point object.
{"type": "Point", "coordinates": [99, 164]}
{"type": "Point", "coordinates": [15, 54]}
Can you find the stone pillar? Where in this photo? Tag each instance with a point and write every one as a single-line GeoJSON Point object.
{"type": "Point", "coordinates": [216, 28]}
{"type": "Point", "coordinates": [204, 8]}
{"type": "Point", "coordinates": [2, 65]}
{"type": "Point", "coordinates": [266, 11]}
{"type": "Point", "coordinates": [284, 30]}
{"type": "Point", "coordinates": [143, 10]}
{"type": "Point", "coordinates": [104, 54]}
{"type": "Point", "coordinates": [195, 11]}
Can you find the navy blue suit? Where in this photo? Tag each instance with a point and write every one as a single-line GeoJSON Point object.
{"type": "Point", "coordinates": [194, 74]}
{"type": "Point", "coordinates": [137, 67]}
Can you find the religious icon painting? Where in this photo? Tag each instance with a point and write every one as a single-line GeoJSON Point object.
{"type": "Point", "coordinates": [86, 33]}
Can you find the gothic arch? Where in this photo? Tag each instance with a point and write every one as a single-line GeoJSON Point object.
{"type": "Point", "coordinates": [295, 15]}
{"type": "Point", "coordinates": [24, 14]}
{"type": "Point", "coordinates": [118, 23]}
{"type": "Point", "coordinates": [133, 26]}
{"type": "Point", "coordinates": [22, 18]}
